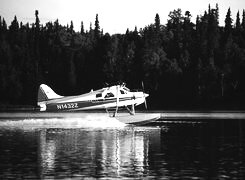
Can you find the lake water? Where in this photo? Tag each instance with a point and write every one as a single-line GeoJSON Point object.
{"type": "Point", "coordinates": [63, 149]}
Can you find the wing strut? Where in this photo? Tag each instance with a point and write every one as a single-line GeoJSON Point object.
{"type": "Point", "coordinates": [115, 113]}
{"type": "Point", "coordinates": [143, 88]}
{"type": "Point", "coordinates": [131, 111]}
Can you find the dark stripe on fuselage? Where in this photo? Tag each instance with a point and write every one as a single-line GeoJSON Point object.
{"type": "Point", "coordinates": [68, 106]}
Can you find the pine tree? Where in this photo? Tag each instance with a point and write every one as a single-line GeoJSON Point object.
{"type": "Point", "coordinates": [157, 23]}
{"type": "Point", "coordinates": [243, 20]}
{"type": "Point", "coordinates": [56, 26]}
{"type": "Point", "coordinates": [14, 27]}
{"type": "Point", "coordinates": [37, 36]}
{"type": "Point", "coordinates": [188, 27]}
{"type": "Point", "coordinates": [90, 28]}
{"type": "Point", "coordinates": [237, 35]}
{"type": "Point", "coordinates": [228, 22]}
{"type": "Point", "coordinates": [21, 25]}
{"type": "Point", "coordinates": [238, 24]}
{"type": "Point", "coordinates": [175, 27]}
{"type": "Point", "coordinates": [212, 35]}
{"type": "Point", "coordinates": [82, 28]}
{"type": "Point", "coordinates": [127, 31]}
{"type": "Point", "coordinates": [209, 9]}
{"type": "Point", "coordinates": [97, 27]}
{"type": "Point", "coordinates": [136, 30]}
{"type": "Point", "coordinates": [67, 27]}
{"type": "Point", "coordinates": [27, 26]}
{"type": "Point", "coordinates": [197, 20]}
{"type": "Point", "coordinates": [37, 23]}
{"type": "Point", "coordinates": [71, 27]}
{"type": "Point", "coordinates": [217, 13]}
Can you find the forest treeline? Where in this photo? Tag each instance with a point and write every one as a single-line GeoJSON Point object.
{"type": "Point", "coordinates": [182, 64]}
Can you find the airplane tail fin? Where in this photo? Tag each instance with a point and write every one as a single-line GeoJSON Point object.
{"type": "Point", "coordinates": [45, 93]}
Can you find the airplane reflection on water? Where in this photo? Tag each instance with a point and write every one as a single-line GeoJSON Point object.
{"type": "Point", "coordinates": [213, 150]}
{"type": "Point", "coordinates": [106, 153]}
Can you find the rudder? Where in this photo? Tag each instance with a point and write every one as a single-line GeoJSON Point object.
{"type": "Point", "coordinates": [45, 93]}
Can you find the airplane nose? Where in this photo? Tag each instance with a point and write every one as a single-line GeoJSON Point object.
{"type": "Point", "coordinates": [146, 95]}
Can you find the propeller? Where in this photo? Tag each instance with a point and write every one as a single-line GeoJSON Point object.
{"type": "Point", "coordinates": [142, 83]}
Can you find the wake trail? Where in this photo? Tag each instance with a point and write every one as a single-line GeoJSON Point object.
{"type": "Point", "coordinates": [64, 123]}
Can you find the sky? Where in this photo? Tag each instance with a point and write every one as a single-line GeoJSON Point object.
{"type": "Point", "coordinates": [115, 16]}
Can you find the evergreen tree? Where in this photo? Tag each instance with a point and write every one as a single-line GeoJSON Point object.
{"type": "Point", "coordinates": [217, 13]}
{"type": "Point", "coordinates": [135, 30]}
{"type": "Point", "coordinates": [97, 27]}
{"type": "Point", "coordinates": [187, 38]}
{"type": "Point", "coordinates": [157, 23]}
{"type": "Point", "coordinates": [71, 29]}
{"type": "Point", "coordinates": [37, 31]}
{"type": "Point", "coordinates": [56, 26]}
{"type": "Point", "coordinates": [27, 26]}
{"type": "Point", "coordinates": [37, 23]}
{"type": "Point", "coordinates": [243, 20]}
{"type": "Point", "coordinates": [82, 28]}
{"type": "Point", "coordinates": [14, 27]}
{"type": "Point", "coordinates": [228, 22]}
{"type": "Point", "coordinates": [213, 33]}
{"type": "Point", "coordinates": [21, 26]}
{"type": "Point", "coordinates": [209, 9]}
{"type": "Point", "coordinates": [238, 23]}
{"type": "Point", "coordinates": [175, 27]}
{"type": "Point", "coordinates": [237, 35]}
{"type": "Point", "coordinates": [127, 31]}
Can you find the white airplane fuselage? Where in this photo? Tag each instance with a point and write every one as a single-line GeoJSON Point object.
{"type": "Point", "coordinates": [105, 98]}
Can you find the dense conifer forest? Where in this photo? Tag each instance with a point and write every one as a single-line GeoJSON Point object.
{"type": "Point", "coordinates": [183, 65]}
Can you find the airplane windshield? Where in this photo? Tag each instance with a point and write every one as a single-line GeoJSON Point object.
{"type": "Point", "coordinates": [122, 92]}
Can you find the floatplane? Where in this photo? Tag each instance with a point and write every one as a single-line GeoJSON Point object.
{"type": "Point", "coordinates": [110, 99]}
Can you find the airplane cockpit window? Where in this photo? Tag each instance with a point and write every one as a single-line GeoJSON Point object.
{"type": "Point", "coordinates": [108, 95]}
{"type": "Point", "coordinates": [122, 92]}
{"type": "Point", "coordinates": [98, 95]}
